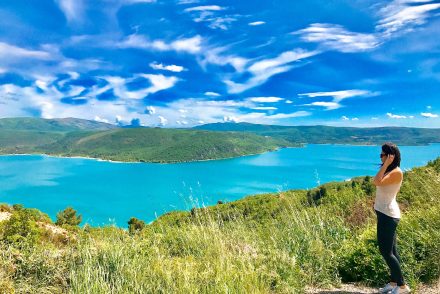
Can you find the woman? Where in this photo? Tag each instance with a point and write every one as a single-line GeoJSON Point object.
{"type": "Point", "coordinates": [388, 181]}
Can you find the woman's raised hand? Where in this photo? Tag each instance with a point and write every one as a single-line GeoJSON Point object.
{"type": "Point", "coordinates": [389, 160]}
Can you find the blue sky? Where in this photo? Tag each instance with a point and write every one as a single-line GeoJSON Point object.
{"type": "Point", "coordinates": [187, 62]}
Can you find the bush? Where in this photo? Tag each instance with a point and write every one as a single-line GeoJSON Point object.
{"type": "Point", "coordinates": [21, 229]}
{"type": "Point", "coordinates": [68, 216]}
{"type": "Point", "coordinates": [135, 225]}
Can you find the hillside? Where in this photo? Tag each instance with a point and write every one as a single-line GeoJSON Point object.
{"type": "Point", "coordinates": [285, 242]}
{"type": "Point", "coordinates": [73, 137]}
{"type": "Point", "coordinates": [334, 135]}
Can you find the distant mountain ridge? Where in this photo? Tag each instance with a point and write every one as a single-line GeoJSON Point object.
{"type": "Point", "coordinates": [333, 135]}
{"type": "Point", "coordinates": [52, 125]}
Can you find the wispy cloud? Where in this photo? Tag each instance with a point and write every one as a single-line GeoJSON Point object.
{"type": "Point", "coordinates": [72, 9]}
{"type": "Point", "coordinates": [138, 1]}
{"type": "Point", "coordinates": [396, 116]}
{"type": "Point", "coordinates": [8, 51]}
{"type": "Point", "coordinates": [205, 8]}
{"type": "Point", "coordinates": [327, 105]}
{"type": "Point", "coordinates": [172, 67]}
{"type": "Point", "coordinates": [265, 108]}
{"type": "Point", "coordinates": [341, 95]}
{"type": "Point", "coordinates": [262, 70]}
{"type": "Point", "coordinates": [209, 15]}
{"type": "Point", "coordinates": [182, 2]}
{"type": "Point", "coordinates": [265, 99]}
{"type": "Point", "coordinates": [214, 94]}
{"type": "Point", "coordinates": [401, 16]}
{"type": "Point", "coordinates": [256, 23]}
{"type": "Point", "coordinates": [337, 97]}
{"type": "Point", "coordinates": [429, 115]}
{"type": "Point", "coordinates": [189, 45]}
{"type": "Point", "coordinates": [395, 18]}
{"type": "Point", "coordinates": [336, 37]}
{"type": "Point", "coordinates": [288, 115]}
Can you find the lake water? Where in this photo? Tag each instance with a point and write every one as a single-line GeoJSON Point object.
{"type": "Point", "coordinates": [105, 192]}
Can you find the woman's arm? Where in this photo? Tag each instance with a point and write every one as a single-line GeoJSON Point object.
{"type": "Point", "coordinates": [393, 177]}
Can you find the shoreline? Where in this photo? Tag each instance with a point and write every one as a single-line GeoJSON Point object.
{"type": "Point", "coordinates": [140, 162]}
{"type": "Point", "coordinates": [302, 145]}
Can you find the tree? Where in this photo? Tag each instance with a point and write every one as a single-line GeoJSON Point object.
{"type": "Point", "coordinates": [135, 225]}
{"type": "Point", "coordinates": [68, 216]}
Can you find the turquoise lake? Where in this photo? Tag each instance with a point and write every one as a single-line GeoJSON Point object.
{"type": "Point", "coordinates": [111, 193]}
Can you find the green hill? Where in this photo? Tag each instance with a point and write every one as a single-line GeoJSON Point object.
{"type": "Point", "coordinates": [268, 243]}
{"type": "Point", "coordinates": [334, 135]}
{"type": "Point", "coordinates": [75, 137]}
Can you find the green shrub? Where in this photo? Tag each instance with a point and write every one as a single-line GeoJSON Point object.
{"type": "Point", "coordinates": [69, 217]}
{"type": "Point", "coordinates": [21, 228]}
{"type": "Point", "coordinates": [135, 225]}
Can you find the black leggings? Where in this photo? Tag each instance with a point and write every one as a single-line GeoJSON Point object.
{"type": "Point", "coordinates": [386, 238]}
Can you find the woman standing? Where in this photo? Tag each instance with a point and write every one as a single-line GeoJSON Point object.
{"type": "Point", "coordinates": [388, 181]}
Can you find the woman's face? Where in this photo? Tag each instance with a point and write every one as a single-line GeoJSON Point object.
{"type": "Point", "coordinates": [383, 156]}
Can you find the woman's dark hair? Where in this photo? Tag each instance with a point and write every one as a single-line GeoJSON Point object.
{"type": "Point", "coordinates": [390, 148]}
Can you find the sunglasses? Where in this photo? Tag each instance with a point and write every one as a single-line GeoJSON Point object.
{"type": "Point", "coordinates": [382, 155]}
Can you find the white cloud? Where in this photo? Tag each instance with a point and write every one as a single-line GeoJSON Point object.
{"type": "Point", "coordinates": [429, 115]}
{"type": "Point", "coordinates": [126, 2]}
{"type": "Point", "coordinates": [428, 107]}
{"type": "Point", "coordinates": [72, 9]}
{"type": "Point", "coordinates": [265, 108]}
{"type": "Point", "coordinates": [289, 115]}
{"type": "Point", "coordinates": [355, 119]}
{"type": "Point", "coordinates": [262, 70]}
{"type": "Point", "coordinates": [395, 116]}
{"type": "Point", "coordinates": [8, 52]}
{"type": "Point", "coordinates": [213, 94]}
{"type": "Point", "coordinates": [344, 117]}
{"type": "Point", "coordinates": [150, 110]}
{"type": "Point", "coordinates": [172, 67]}
{"type": "Point", "coordinates": [159, 82]}
{"type": "Point", "coordinates": [213, 56]}
{"type": "Point", "coordinates": [230, 119]}
{"type": "Point", "coordinates": [190, 45]}
{"type": "Point", "coordinates": [374, 118]}
{"type": "Point", "coordinates": [207, 14]}
{"type": "Point", "coordinates": [97, 118]}
{"type": "Point", "coordinates": [289, 101]}
{"type": "Point", "coordinates": [340, 95]}
{"type": "Point", "coordinates": [188, 1]}
{"type": "Point", "coordinates": [265, 99]}
{"type": "Point", "coordinates": [327, 105]}
{"type": "Point", "coordinates": [336, 37]}
{"type": "Point", "coordinates": [257, 23]}
{"type": "Point", "coordinates": [337, 96]}
{"type": "Point", "coordinates": [401, 16]}
{"type": "Point", "coordinates": [205, 8]}
{"type": "Point", "coordinates": [163, 120]}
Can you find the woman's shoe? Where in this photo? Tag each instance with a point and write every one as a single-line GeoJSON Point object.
{"type": "Point", "coordinates": [398, 290]}
{"type": "Point", "coordinates": [386, 289]}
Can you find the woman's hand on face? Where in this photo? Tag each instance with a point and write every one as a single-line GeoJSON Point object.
{"type": "Point", "coordinates": [389, 160]}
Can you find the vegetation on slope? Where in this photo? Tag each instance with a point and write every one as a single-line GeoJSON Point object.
{"type": "Point", "coordinates": [332, 135]}
{"type": "Point", "coordinates": [270, 243]}
{"type": "Point", "coordinates": [158, 145]}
